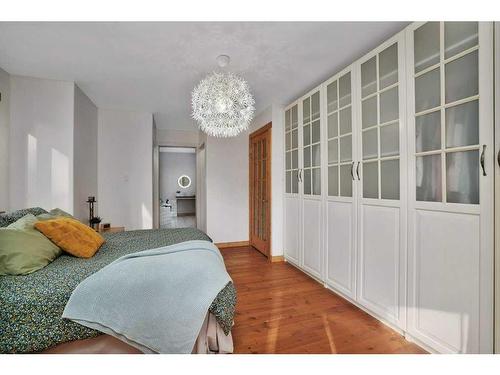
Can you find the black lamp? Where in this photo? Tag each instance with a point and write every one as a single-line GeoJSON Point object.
{"type": "Point", "coordinates": [93, 221]}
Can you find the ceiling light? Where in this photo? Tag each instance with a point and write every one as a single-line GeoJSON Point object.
{"type": "Point", "coordinates": [222, 103]}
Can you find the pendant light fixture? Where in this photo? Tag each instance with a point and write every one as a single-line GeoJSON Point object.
{"type": "Point", "coordinates": [222, 103]}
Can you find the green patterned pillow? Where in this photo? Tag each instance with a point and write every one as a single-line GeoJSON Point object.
{"type": "Point", "coordinates": [58, 212]}
{"type": "Point", "coordinates": [11, 217]}
{"type": "Point", "coordinates": [23, 249]}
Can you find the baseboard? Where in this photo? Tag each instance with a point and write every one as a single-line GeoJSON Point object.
{"type": "Point", "coordinates": [277, 258]}
{"type": "Point", "coordinates": [225, 245]}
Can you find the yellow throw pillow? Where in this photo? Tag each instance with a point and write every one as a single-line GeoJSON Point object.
{"type": "Point", "coordinates": [71, 236]}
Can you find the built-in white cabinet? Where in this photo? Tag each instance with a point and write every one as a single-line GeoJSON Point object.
{"type": "Point", "coordinates": [450, 138]}
{"type": "Point", "coordinates": [381, 136]}
{"type": "Point", "coordinates": [311, 202]}
{"type": "Point", "coordinates": [389, 184]}
{"type": "Point", "coordinates": [292, 198]}
{"type": "Point", "coordinates": [340, 184]}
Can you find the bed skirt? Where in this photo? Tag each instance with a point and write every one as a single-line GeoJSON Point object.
{"type": "Point", "coordinates": [211, 340]}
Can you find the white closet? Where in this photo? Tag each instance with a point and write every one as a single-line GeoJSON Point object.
{"type": "Point", "coordinates": [292, 198]}
{"type": "Point", "coordinates": [450, 133]}
{"type": "Point", "coordinates": [311, 205]}
{"type": "Point", "coordinates": [341, 187]}
{"type": "Point", "coordinates": [387, 201]}
{"type": "Point", "coordinates": [381, 135]}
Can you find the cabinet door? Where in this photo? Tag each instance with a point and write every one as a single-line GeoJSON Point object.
{"type": "Point", "coordinates": [382, 193]}
{"type": "Point", "coordinates": [292, 198]}
{"type": "Point", "coordinates": [292, 230]}
{"type": "Point", "coordinates": [341, 184]}
{"type": "Point", "coordinates": [450, 90]}
{"type": "Point", "coordinates": [311, 184]}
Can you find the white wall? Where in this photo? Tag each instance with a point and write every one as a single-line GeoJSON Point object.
{"type": "Point", "coordinates": [227, 209]}
{"type": "Point", "coordinates": [172, 166]}
{"type": "Point", "coordinates": [274, 114]}
{"type": "Point", "coordinates": [4, 139]}
{"type": "Point", "coordinates": [41, 143]}
{"type": "Point", "coordinates": [125, 172]}
{"type": "Point", "coordinates": [227, 188]}
{"type": "Point", "coordinates": [182, 138]}
{"type": "Point", "coordinates": [85, 153]}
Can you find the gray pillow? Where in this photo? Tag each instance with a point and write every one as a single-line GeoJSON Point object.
{"type": "Point", "coordinates": [54, 214]}
{"type": "Point", "coordinates": [60, 213]}
{"type": "Point", "coordinates": [11, 217]}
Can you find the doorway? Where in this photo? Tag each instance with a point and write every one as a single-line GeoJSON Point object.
{"type": "Point", "coordinates": [177, 187]}
{"type": "Point", "coordinates": [260, 189]}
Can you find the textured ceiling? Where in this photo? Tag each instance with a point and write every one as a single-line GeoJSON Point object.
{"type": "Point", "coordinates": [154, 66]}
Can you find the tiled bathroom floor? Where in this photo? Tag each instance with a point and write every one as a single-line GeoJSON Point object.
{"type": "Point", "coordinates": [169, 219]}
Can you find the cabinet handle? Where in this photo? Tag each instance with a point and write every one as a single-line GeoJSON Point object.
{"type": "Point", "coordinates": [357, 171]}
{"type": "Point", "coordinates": [352, 171]}
{"type": "Point", "coordinates": [482, 160]}
{"type": "Point", "coordinates": [300, 175]}
{"type": "Point", "coordinates": [498, 158]}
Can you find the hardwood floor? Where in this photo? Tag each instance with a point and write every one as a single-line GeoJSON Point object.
{"type": "Point", "coordinates": [282, 310]}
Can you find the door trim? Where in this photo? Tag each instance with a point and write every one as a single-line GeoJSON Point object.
{"type": "Point", "coordinates": [252, 135]}
{"type": "Point", "coordinates": [156, 180]}
{"type": "Point", "coordinates": [261, 130]}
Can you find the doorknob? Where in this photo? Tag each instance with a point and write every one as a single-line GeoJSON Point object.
{"type": "Point", "coordinates": [482, 160]}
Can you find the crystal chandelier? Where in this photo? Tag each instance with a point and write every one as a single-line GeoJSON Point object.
{"type": "Point", "coordinates": [222, 103]}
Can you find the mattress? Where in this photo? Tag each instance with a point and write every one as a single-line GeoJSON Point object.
{"type": "Point", "coordinates": [31, 306]}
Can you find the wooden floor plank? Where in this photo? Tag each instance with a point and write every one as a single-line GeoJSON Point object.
{"type": "Point", "coordinates": [282, 310]}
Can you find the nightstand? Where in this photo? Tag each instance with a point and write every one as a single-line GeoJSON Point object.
{"type": "Point", "coordinates": [111, 230]}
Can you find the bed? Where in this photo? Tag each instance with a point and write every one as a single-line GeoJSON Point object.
{"type": "Point", "coordinates": [32, 305]}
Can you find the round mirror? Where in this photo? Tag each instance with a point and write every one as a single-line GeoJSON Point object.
{"type": "Point", "coordinates": [184, 181]}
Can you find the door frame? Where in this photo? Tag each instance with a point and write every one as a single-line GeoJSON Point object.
{"type": "Point", "coordinates": [156, 180]}
{"type": "Point", "coordinates": [252, 135]}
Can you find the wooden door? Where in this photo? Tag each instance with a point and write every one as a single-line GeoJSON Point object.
{"type": "Point", "coordinates": [260, 189]}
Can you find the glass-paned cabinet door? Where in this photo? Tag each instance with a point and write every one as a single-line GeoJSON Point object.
{"type": "Point", "coordinates": [339, 136]}
{"type": "Point", "coordinates": [446, 77]}
{"type": "Point", "coordinates": [380, 125]}
{"type": "Point", "coordinates": [292, 150]}
{"type": "Point", "coordinates": [311, 144]}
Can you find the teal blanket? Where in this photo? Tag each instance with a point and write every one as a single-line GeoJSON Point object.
{"type": "Point", "coordinates": [155, 300]}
